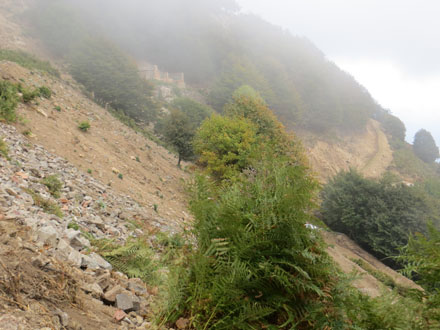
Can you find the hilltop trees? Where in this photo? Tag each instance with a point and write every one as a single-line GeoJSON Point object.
{"type": "Point", "coordinates": [424, 146]}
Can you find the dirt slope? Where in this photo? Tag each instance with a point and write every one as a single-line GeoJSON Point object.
{"type": "Point", "coordinates": [368, 151]}
{"type": "Point", "coordinates": [109, 148]}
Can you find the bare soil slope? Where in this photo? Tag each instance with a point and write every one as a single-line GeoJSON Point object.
{"type": "Point", "coordinates": [368, 151]}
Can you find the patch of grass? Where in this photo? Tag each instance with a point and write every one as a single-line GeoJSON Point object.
{"type": "Point", "coordinates": [84, 126]}
{"type": "Point", "coordinates": [53, 184]}
{"type": "Point", "coordinates": [8, 101]}
{"type": "Point", "coordinates": [120, 176]}
{"type": "Point", "coordinates": [156, 208]}
{"type": "Point", "coordinates": [89, 171]}
{"type": "Point", "coordinates": [47, 205]}
{"type": "Point", "coordinates": [29, 95]}
{"type": "Point", "coordinates": [4, 150]}
{"type": "Point", "coordinates": [27, 132]}
{"type": "Point", "coordinates": [73, 225]}
{"type": "Point", "coordinates": [27, 61]}
{"type": "Point", "coordinates": [57, 108]}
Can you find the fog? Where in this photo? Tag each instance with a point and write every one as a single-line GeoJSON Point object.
{"type": "Point", "coordinates": [391, 47]}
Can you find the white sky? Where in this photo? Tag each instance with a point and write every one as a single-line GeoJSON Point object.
{"type": "Point", "coordinates": [392, 47]}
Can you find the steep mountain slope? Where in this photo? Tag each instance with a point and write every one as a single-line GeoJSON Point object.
{"type": "Point", "coordinates": [110, 148]}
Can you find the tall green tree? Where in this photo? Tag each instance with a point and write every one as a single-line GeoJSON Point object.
{"type": "Point", "coordinates": [424, 146]}
{"type": "Point", "coordinates": [179, 131]}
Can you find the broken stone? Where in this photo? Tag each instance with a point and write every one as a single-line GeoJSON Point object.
{"type": "Point", "coordinates": [119, 315]}
{"type": "Point", "coordinates": [136, 286]}
{"type": "Point", "coordinates": [124, 301]}
{"type": "Point", "coordinates": [47, 235]}
{"type": "Point", "coordinates": [110, 295]}
{"type": "Point", "coordinates": [182, 323]}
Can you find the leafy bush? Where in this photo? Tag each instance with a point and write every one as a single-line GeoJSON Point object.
{"type": "Point", "coordinates": [29, 94]}
{"type": "Point", "coordinates": [27, 61]}
{"type": "Point", "coordinates": [45, 92]}
{"type": "Point", "coordinates": [378, 215]}
{"type": "Point", "coordinates": [424, 146]}
{"type": "Point", "coordinates": [225, 145]}
{"type": "Point", "coordinates": [53, 184]}
{"type": "Point", "coordinates": [84, 126]}
{"type": "Point", "coordinates": [8, 101]}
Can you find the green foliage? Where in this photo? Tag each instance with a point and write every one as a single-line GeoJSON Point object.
{"type": "Point", "coordinates": [422, 259]}
{"type": "Point", "coordinates": [120, 176]}
{"type": "Point", "coordinates": [27, 61]}
{"type": "Point", "coordinates": [4, 150]}
{"type": "Point", "coordinates": [378, 215]}
{"type": "Point", "coordinates": [394, 127]}
{"type": "Point", "coordinates": [47, 205]}
{"type": "Point", "coordinates": [73, 225]}
{"type": "Point", "coordinates": [29, 95]}
{"type": "Point", "coordinates": [196, 112]}
{"type": "Point", "coordinates": [53, 183]}
{"type": "Point", "coordinates": [257, 265]}
{"type": "Point", "coordinates": [89, 171]}
{"type": "Point", "coordinates": [113, 78]}
{"type": "Point", "coordinates": [135, 258]}
{"type": "Point", "coordinates": [424, 146]}
{"type": "Point", "coordinates": [8, 101]}
{"type": "Point", "coordinates": [84, 126]}
{"type": "Point", "coordinates": [179, 131]}
{"type": "Point", "coordinates": [57, 108]}
{"type": "Point", "coordinates": [45, 92]}
{"type": "Point", "coordinates": [225, 145]}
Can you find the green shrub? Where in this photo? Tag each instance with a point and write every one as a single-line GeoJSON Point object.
{"type": "Point", "coordinates": [378, 215]}
{"type": "Point", "coordinates": [53, 184]}
{"type": "Point", "coordinates": [4, 149]}
{"type": "Point", "coordinates": [8, 101]}
{"type": "Point", "coordinates": [30, 95]}
{"type": "Point", "coordinates": [84, 126]}
{"type": "Point", "coordinates": [57, 108]}
{"type": "Point", "coordinates": [45, 92]}
{"type": "Point", "coordinates": [27, 61]}
{"type": "Point", "coordinates": [120, 176]}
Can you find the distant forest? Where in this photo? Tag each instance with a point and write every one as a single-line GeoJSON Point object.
{"type": "Point", "coordinates": [220, 49]}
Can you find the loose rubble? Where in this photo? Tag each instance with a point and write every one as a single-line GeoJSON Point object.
{"type": "Point", "coordinates": [88, 207]}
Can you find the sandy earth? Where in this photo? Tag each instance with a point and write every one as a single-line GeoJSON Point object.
{"type": "Point", "coordinates": [367, 151]}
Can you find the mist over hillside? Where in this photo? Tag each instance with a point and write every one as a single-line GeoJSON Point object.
{"type": "Point", "coordinates": [219, 49]}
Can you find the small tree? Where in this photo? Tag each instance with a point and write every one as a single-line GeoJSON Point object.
{"type": "Point", "coordinates": [225, 145]}
{"type": "Point", "coordinates": [424, 146]}
{"type": "Point", "coordinates": [179, 131]}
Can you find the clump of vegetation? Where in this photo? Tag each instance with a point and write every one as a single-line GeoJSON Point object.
{"type": "Point", "coordinates": [179, 127]}
{"type": "Point", "coordinates": [57, 108]}
{"type": "Point", "coordinates": [84, 126]}
{"type": "Point", "coordinates": [27, 61]}
{"type": "Point", "coordinates": [45, 92]}
{"type": "Point", "coordinates": [135, 258]}
{"type": "Point", "coordinates": [4, 150]}
{"type": "Point", "coordinates": [47, 205]}
{"type": "Point", "coordinates": [53, 183]}
{"type": "Point", "coordinates": [120, 176]}
{"type": "Point", "coordinates": [378, 215]}
{"type": "Point", "coordinates": [8, 101]}
{"type": "Point", "coordinates": [424, 146]}
{"type": "Point", "coordinates": [422, 259]}
{"type": "Point", "coordinates": [73, 225]}
{"type": "Point", "coordinates": [29, 95]}
{"type": "Point", "coordinates": [27, 132]}
{"type": "Point", "coordinates": [89, 171]}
